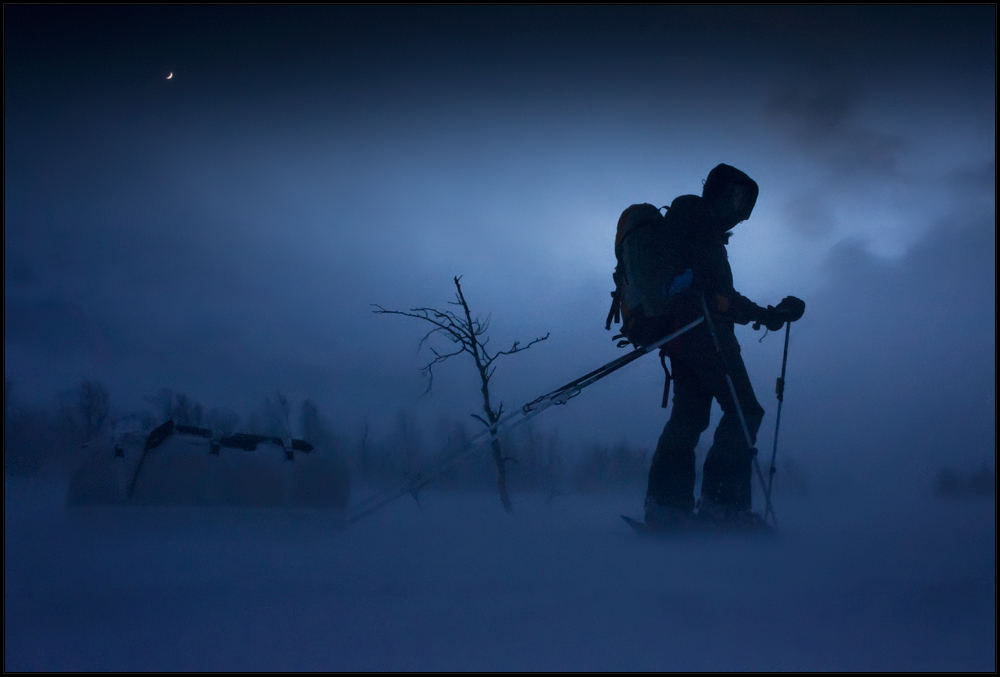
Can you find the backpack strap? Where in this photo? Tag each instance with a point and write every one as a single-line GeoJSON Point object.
{"type": "Point", "coordinates": [666, 381]}
{"type": "Point", "coordinates": [615, 314]}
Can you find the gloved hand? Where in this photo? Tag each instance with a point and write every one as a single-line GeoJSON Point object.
{"type": "Point", "coordinates": [770, 317]}
{"type": "Point", "coordinates": [790, 309]}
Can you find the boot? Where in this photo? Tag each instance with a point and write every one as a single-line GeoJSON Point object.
{"type": "Point", "coordinates": [750, 521]}
{"type": "Point", "coordinates": [728, 517]}
{"type": "Point", "coordinates": [666, 517]}
{"type": "Point", "coordinates": [710, 512]}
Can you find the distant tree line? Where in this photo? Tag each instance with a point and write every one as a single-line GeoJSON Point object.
{"type": "Point", "coordinates": [56, 439]}
{"type": "Point", "coordinates": [37, 438]}
{"type": "Point", "coordinates": [536, 461]}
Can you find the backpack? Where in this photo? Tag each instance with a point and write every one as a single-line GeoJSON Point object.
{"type": "Point", "coordinates": [652, 274]}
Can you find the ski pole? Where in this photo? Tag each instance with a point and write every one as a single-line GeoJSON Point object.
{"type": "Point", "coordinates": [522, 415]}
{"type": "Point", "coordinates": [573, 388]}
{"type": "Point", "coordinates": [769, 509]}
{"type": "Point", "coordinates": [779, 390]}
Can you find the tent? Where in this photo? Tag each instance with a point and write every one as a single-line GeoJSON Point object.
{"type": "Point", "coordinates": [187, 465]}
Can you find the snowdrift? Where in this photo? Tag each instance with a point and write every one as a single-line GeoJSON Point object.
{"type": "Point", "coordinates": [184, 465]}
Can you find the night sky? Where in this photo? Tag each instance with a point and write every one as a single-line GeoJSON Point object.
{"type": "Point", "coordinates": [224, 233]}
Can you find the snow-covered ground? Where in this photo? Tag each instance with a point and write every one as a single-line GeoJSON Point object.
{"type": "Point", "coordinates": [456, 584]}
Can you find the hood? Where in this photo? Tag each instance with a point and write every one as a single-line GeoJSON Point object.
{"type": "Point", "coordinates": [730, 196]}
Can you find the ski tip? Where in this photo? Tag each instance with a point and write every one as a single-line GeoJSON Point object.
{"type": "Point", "coordinates": [639, 527]}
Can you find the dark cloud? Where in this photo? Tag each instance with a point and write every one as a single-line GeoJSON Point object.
{"type": "Point", "coordinates": [810, 117]}
{"type": "Point", "coordinates": [974, 187]}
{"type": "Point", "coordinates": [895, 371]}
{"type": "Point", "coordinates": [810, 216]}
{"type": "Point", "coordinates": [820, 122]}
{"type": "Point", "coordinates": [52, 325]}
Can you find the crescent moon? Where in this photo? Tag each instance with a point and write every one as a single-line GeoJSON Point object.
{"type": "Point", "coordinates": [170, 76]}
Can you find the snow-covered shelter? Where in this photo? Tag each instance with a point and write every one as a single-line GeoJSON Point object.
{"type": "Point", "coordinates": [186, 465]}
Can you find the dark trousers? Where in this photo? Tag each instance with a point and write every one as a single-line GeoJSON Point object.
{"type": "Point", "coordinates": [698, 378]}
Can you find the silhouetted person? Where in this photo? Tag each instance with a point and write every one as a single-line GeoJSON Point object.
{"type": "Point", "coordinates": [699, 370]}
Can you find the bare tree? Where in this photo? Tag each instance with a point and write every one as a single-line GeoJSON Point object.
{"type": "Point", "coordinates": [179, 408]}
{"type": "Point", "coordinates": [278, 411]}
{"type": "Point", "coordinates": [92, 402]}
{"type": "Point", "coordinates": [405, 442]}
{"type": "Point", "coordinates": [222, 420]}
{"type": "Point", "coordinates": [310, 426]}
{"type": "Point", "coordinates": [163, 401]}
{"type": "Point", "coordinates": [468, 336]}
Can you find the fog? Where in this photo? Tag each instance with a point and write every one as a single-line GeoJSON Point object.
{"type": "Point", "coordinates": [456, 584]}
{"type": "Point", "coordinates": [213, 243]}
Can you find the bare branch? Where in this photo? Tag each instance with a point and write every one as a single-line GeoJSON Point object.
{"type": "Point", "coordinates": [429, 367]}
{"type": "Point", "coordinates": [464, 332]}
{"type": "Point", "coordinates": [445, 322]}
{"type": "Point", "coordinates": [516, 348]}
{"type": "Point", "coordinates": [451, 337]}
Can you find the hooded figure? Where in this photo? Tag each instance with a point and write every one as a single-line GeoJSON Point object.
{"type": "Point", "coordinates": [699, 371]}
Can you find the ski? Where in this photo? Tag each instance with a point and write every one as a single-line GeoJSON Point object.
{"type": "Point", "coordinates": [690, 527]}
{"type": "Point", "coordinates": [640, 528]}
{"type": "Point", "coordinates": [701, 527]}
